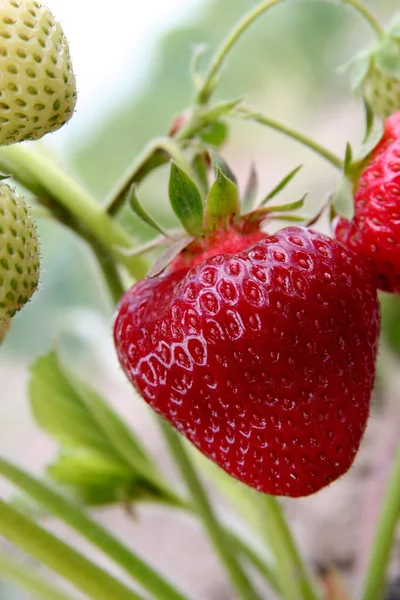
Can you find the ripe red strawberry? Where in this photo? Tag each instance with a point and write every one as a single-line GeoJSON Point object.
{"type": "Point", "coordinates": [262, 354]}
{"type": "Point", "coordinates": [374, 231]}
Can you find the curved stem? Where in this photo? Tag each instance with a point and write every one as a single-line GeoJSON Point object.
{"type": "Point", "coordinates": [204, 93]}
{"type": "Point", "coordinates": [368, 16]}
{"type": "Point", "coordinates": [243, 112]}
{"type": "Point", "coordinates": [207, 87]}
{"type": "Point", "coordinates": [24, 577]}
{"type": "Point", "coordinates": [215, 531]}
{"type": "Point", "coordinates": [390, 514]}
{"type": "Point", "coordinates": [157, 153]}
{"type": "Point", "coordinates": [110, 272]}
{"type": "Point", "coordinates": [61, 558]}
{"type": "Point", "coordinates": [66, 510]}
{"type": "Point", "coordinates": [45, 178]}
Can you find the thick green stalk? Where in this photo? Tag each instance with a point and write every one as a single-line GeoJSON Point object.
{"type": "Point", "coordinates": [207, 87]}
{"type": "Point", "coordinates": [32, 581]}
{"type": "Point", "coordinates": [215, 531]}
{"type": "Point", "coordinates": [110, 272]}
{"type": "Point", "coordinates": [292, 574]}
{"type": "Point", "coordinates": [375, 582]}
{"type": "Point", "coordinates": [46, 179]}
{"type": "Point", "coordinates": [66, 510]}
{"type": "Point", "coordinates": [256, 561]}
{"type": "Point", "coordinates": [61, 558]}
{"type": "Point", "coordinates": [247, 113]}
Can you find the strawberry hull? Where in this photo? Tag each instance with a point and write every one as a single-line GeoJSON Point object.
{"type": "Point", "coordinates": [374, 231]}
{"type": "Point", "coordinates": [264, 359]}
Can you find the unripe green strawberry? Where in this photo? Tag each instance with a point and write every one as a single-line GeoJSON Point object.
{"type": "Point", "coordinates": [19, 256]}
{"type": "Point", "coordinates": [377, 73]}
{"type": "Point", "coordinates": [4, 327]}
{"type": "Point", "coordinates": [37, 85]}
{"type": "Point", "coordinates": [381, 91]}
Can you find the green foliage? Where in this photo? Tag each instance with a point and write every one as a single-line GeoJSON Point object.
{"type": "Point", "coordinates": [222, 202]}
{"type": "Point", "coordinates": [186, 200]}
{"type": "Point", "coordinates": [101, 460]}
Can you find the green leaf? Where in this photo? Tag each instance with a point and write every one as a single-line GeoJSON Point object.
{"type": "Point", "coordinates": [59, 410]}
{"type": "Point", "coordinates": [348, 157]}
{"type": "Point", "coordinates": [222, 202]}
{"type": "Point", "coordinates": [199, 165]}
{"type": "Point", "coordinates": [278, 208]}
{"type": "Point", "coordinates": [343, 199]}
{"type": "Point", "coordinates": [369, 120]}
{"type": "Point", "coordinates": [250, 193]}
{"type": "Point", "coordinates": [288, 218]}
{"type": "Point", "coordinates": [168, 256]}
{"type": "Point", "coordinates": [220, 164]}
{"type": "Point", "coordinates": [281, 185]}
{"type": "Point", "coordinates": [81, 467]}
{"type": "Point", "coordinates": [371, 142]}
{"type": "Point", "coordinates": [186, 200]}
{"type": "Point", "coordinates": [96, 480]}
{"type": "Point", "coordinates": [358, 68]}
{"type": "Point", "coordinates": [214, 134]}
{"type": "Point", "coordinates": [220, 109]}
{"type": "Point", "coordinates": [141, 213]}
{"type": "Point", "coordinates": [387, 57]}
{"type": "Point", "coordinates": [77, 416]}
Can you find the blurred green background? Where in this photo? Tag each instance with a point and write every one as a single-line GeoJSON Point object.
{"type": "Point", "coordinates": [287, 66]}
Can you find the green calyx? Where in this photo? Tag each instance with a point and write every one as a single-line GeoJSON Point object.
{"type": "Point", "coordinates": [203, 209]}
{"type": "Point", "coordinates": [376, 74]}
{"type": "Point", "coordinates": [342, 201]}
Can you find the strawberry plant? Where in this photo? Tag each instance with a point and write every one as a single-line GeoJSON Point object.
{"type": "Point", "coordinates": [254, 342]}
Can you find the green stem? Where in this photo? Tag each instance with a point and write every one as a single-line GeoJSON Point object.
{"type": "Point", "coordinates": [293, 577]}
{"type": "Point", "coordinates": [368, 16]}
{"type": "Point", "coordinates": [61, 558]}
{"type": "Point", "coordinates": [95, 533]}
{"type": "Point", "coordinates": [110, 272]}
{"type": "Point", "coordinates": [381, 550]}
{"type": "Point", "coordinates": [206, 89]}
{"type": "Point", "coordinates": [254, 558]}
{"type": "Point", "coordinates": [244, 112]}
{"type": "Point", "coordinates": [215, 531]}
{"type": "Point", "coordinates": [39, 587]}
{"type": "Point", "coordinates": [157, 153]}
{"type": "Point", "coordinates": [44, 178]}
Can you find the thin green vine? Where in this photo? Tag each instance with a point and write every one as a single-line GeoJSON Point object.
{"type": "Point", "coordinates": [61, 558]}
{"type": "Point", "coordinates": [385, 535]}
{"type": "Point", "coordinates": [95, 533]}
{"type": "Point", "coordinates": [23, 576]}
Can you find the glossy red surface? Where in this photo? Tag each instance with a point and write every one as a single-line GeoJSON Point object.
{"type": "Point", "coordinates": [263, 358]}
{"type": "Point", "coordinates": [374, 232]}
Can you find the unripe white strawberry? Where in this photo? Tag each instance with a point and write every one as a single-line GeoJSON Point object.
{"type": "Point", "coordinates": [19, 256]}
{"type": "Point", "coordinates": [4, 327]}
{"type": "Point", "coordinates": [377, 73]}
{"type": "Point", "coordinates": [382, 92]}
{"type": "Point", "coordinates": [37, 85]}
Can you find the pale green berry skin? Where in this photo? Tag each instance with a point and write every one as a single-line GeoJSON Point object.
{"type": "Point", "coordinates": [37, 84]}
{"type": "Point", "coordinates": [19, 256]}
{"type": "Point", "coordinates": [381, 92]}
{"type": "Point", "coordinates": [4, 327]}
